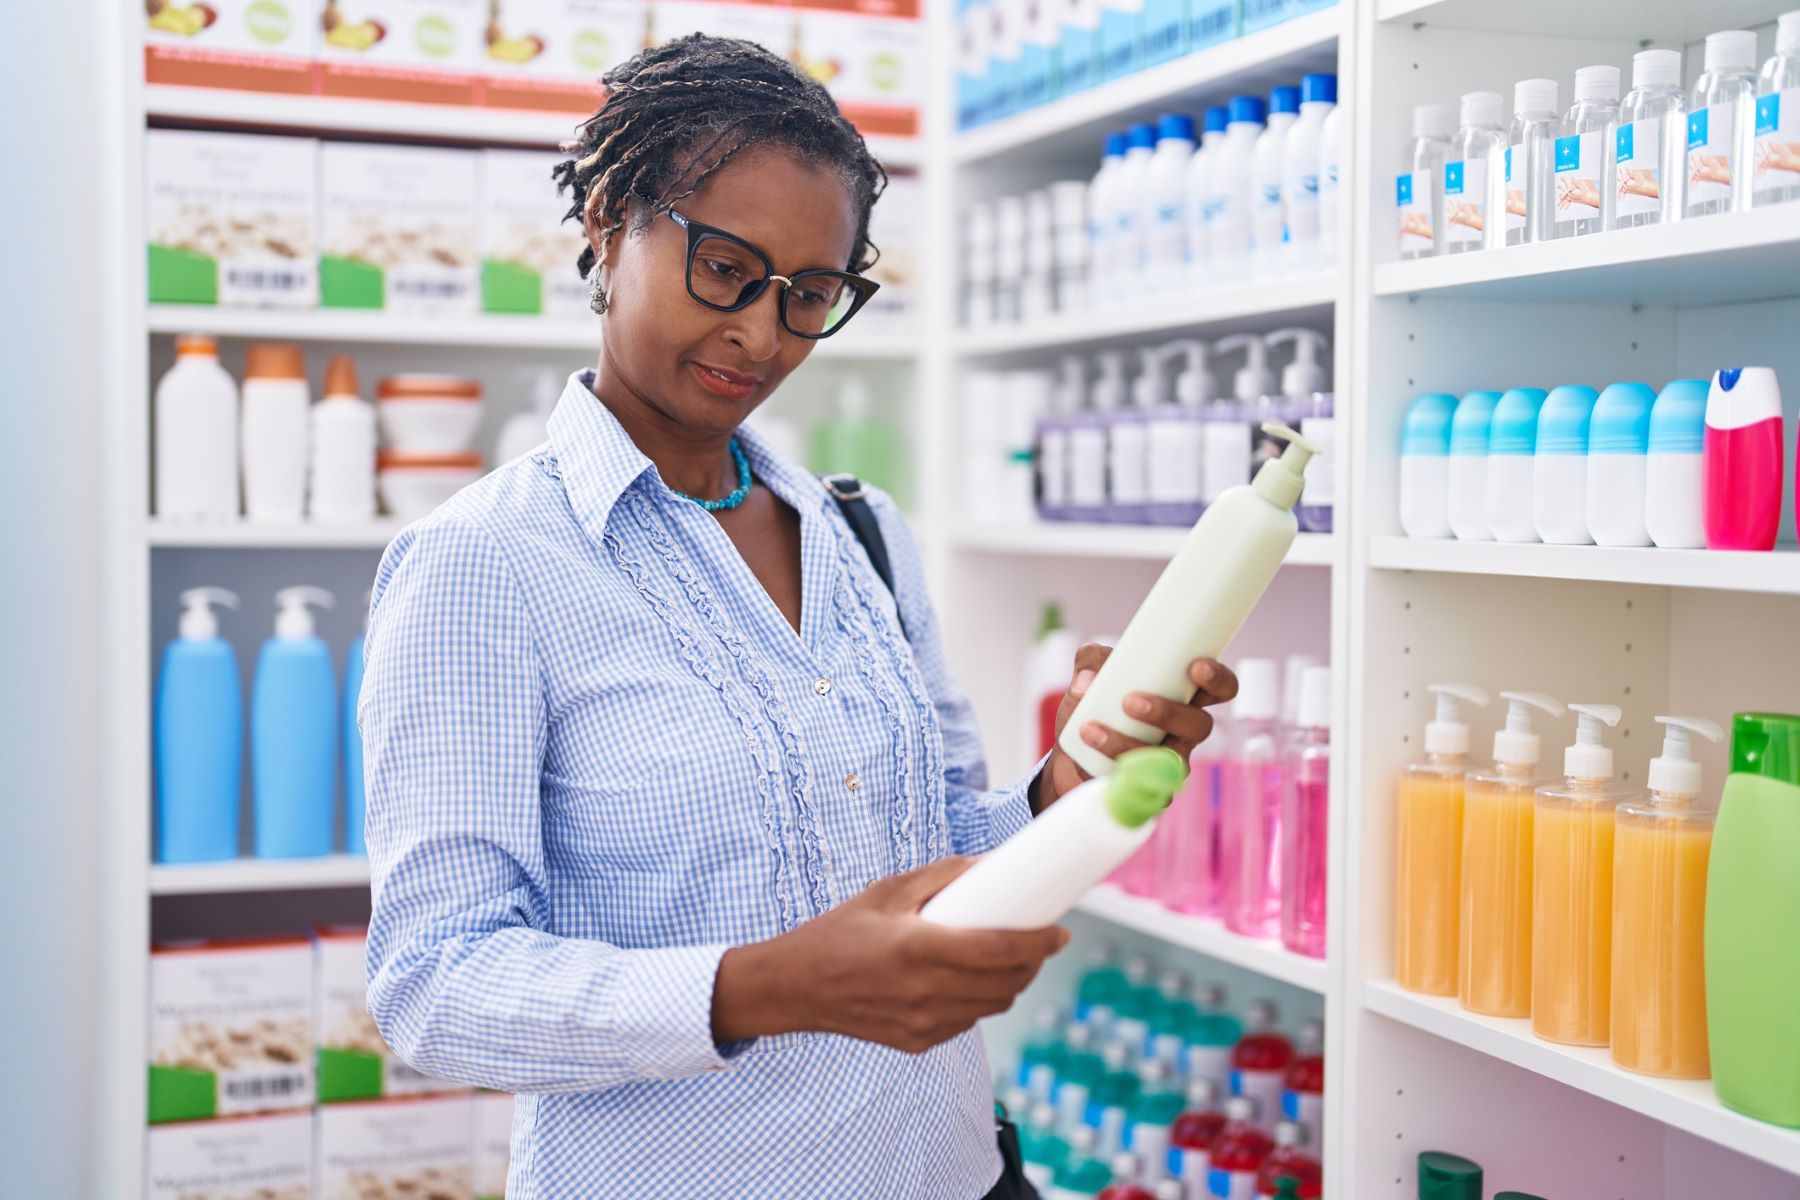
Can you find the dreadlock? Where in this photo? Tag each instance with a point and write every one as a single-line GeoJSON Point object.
{"type": "Point", "coordinates": [676, 114]}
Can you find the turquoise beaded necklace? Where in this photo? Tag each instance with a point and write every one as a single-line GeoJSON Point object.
{"type": "Point", "coordinates": [736, 498]}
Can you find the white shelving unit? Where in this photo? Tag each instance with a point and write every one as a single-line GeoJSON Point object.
{"type": "Point", "coordinates": [1074, 540]}
{"type": "Point", "coordinates": [252, 535]}
{"type": "Point", "coordinates": [260, 875]}
{"type": "Point", "coordinates": [1777, 573]}
{"type": "Point", "coordinates": [1206, 937]}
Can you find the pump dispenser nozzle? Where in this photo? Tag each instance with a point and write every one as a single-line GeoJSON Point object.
{"type": "Point", "coordinates": [1674, 772]}
{"type": "Point", "coordinates": [1193, 386]}
{"type": "Point", "coordinates": [1253, 380]}
{"type": "Point", "coordinates": [1590, 757]}
{"type": "Point", "coordinates": [1446, 734]}
{"type": "Point", "coordinates": [1304, 376]}
{"type": "Point", "coordinates": [293, 620]}
{"type": "Point", "coordinates": [1517, 744]}
{"type": "Point", "coordinates": [1110, 389]}
{"type": "Point", "coordinates": [1281, 480]}
{"type": "Point", "coordinates": [1070, 394]}
{"type": "Point", "coordinates": [198, 621]}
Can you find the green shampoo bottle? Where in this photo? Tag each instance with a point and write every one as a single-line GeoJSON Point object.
{"type": "Point", "coordinates": [1752, 913]}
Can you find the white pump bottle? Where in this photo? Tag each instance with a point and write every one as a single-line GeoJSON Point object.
{"type": "Point", "coordinates": [1309, 405]}
{"type": "Point", "coordinates": [1177, 441]}
{"type": "Point", "coordinates": [1253, 393]}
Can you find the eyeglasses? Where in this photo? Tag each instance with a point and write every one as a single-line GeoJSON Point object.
{"type": "Point", "coordinates": [726, 273]}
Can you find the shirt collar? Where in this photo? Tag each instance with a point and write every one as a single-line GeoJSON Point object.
{"type": "Point", "coordinates": [598, 461]}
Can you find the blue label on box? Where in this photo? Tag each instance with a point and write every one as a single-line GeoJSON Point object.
{"type": "Point", "coordinates": [1697, 129]}
{"type": "Point", "coordinates": [1568, 153]}
{"type": "Point", "coordinates": [1768, 113]}
{"type": "Point", "coordinates": [1211, 23]}
{"type": "Point", "coordinates": [1165, 28]}
{"type": "Point", "coordinates": [1260, 14]}
{"type": "Point", "coordinates": [1403, 189]}
{"type": "Point", "coordinates": [1453, 179]}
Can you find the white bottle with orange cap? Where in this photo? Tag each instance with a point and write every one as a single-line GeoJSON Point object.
{"type": "Point", "coordinates": [276, 401]}
{"type": "Point", "coordinates": [196, 435]}
{"type": "Point", "coordinates": [341, 484]}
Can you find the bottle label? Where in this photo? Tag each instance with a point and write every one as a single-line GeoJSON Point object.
{"type": "Point", "coordinates": [1321, 472]}
{"type": "Point", "coordinates": [1053, 467]}
{"type": "Point", "coordinates": [1778, 140]}
{"type": "Point", "coordinates": [1269, 223]}
{"type": "Point", "coordinates": [1577, 177]}
{"type": "Point", "coordinates": [1231, 1185]}
{"type": "Point", "coordinates": [1465, 201]}
{"type": "Point", "coordinates": [1709, 154]}
{"type": "Point", "coordinates": [1412, 195]}
{"type": "Point", "coordinates": [1303, 209]}
{"type": "Point", "coordinates": [1516, 171]}
{"type": "Point", "coordinates": [1640, 166]}
{"type": "Point", "coordinates": [1168, 240]}
{"type": "Point", "coordinates": [1226, 461]}
{"type": "Point", "coordinates": [1087, 467]}
{"type": "Point", "coordinates": [1174, 450]}
{"type": "Point", "coordinates": [1129, 452]}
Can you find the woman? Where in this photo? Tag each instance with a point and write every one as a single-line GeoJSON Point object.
{"type": "Point", "coordinates": [659, 771]}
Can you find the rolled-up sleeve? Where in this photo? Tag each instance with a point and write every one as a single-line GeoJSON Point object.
{"type": "Point", "coordinates": [980, 818]}
{"type": "Point", "coordinates": [465, 982]}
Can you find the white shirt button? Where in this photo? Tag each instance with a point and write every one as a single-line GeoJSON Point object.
{"type": "Point", "coordinates": [853, 781]}
{"type": "Point", "coordinates": [821, 685]}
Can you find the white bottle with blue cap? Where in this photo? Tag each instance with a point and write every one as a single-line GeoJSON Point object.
{"type": "Point", "coordinates": [1165, 206]}
{"type": "Point", "coordinates": [1425, 466]}
{"type": "Point", "coordinates": [1268, 220]}
{"type": "Point", "coordinates": [1559, 476]}
{"type": "Point", "coordinates": [1230, 179]}
{"type": "Point", "coordinates": [1129, 212]}
{"type": "Point", "coordinates": [1512, 463]}
{"type": "Point", "coordinates": [1674, 462]}
{"type": "Point", "coordinates": [1618, 466]}
{"type": "Point", "coordinates": [1300, 174]}
{"type": "Point", "coordinates": [1199, 198]}
{"type": "Point", "coordinates": [1468, 466]}
{"type": "Point", "coordinates": [1103, 263]}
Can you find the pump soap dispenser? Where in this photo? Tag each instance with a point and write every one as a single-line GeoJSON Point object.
{"type": "Point", "coordinates": [199, 737]}
{"type": "Point", "coordinates": [293, 732]}
{"type": "Point", "coordinates": [1572, 889]}
{"type": "Point", "coordinates": [1202, 599]}
{"type": "Point", "coordinates": [1226, 438]}
{"type": "Point", "coordinates": [1089, 433]}
{"type": "Point", "coordinates": [1428, 824]}
{"type": "Point", "coordinates": [1660, 852]}
{"type": "Point", "coordinates": [1309, 407]}
{"type": "Point", "coordinates": [1253, 388]}
{"type": "Point", "coordinates": [1177, 441]}
{"type": "Point", "coordinates": [1494, 925]}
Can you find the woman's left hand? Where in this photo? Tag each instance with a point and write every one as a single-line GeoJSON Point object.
{"type": "Point", "coordinates": [1187, 725]}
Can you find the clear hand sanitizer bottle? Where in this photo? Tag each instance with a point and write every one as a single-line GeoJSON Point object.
{"type": "Point", "coordinates": [1530, 163]}
{"type": "Point", "coordinates": [1479, 141]}
{"type": "Point", "coordinates": [1721, 126]}
{"type": "Point", "coordinates": [1778, 117]}
{"type": "Point", "coordinates": [1652, 140]}
{"type": "Point", "coordinates": [1419, 190]}
{"type": "Point", "coordinates": [1585, 145]}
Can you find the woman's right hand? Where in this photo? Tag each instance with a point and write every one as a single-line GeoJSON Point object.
{"type": "Point", "coordinates": [872, 969]}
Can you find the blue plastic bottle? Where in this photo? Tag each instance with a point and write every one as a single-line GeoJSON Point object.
{"type": "Point", "coordinates": [1425, 466]}
{"type": "Point", "coordinates": [1512, 459]}
{"type": "Point", "coordinates": [1674, 491]}
{"type": "Point", "coordinates": [1468, 466]}
{"type": "Point", "coordinates": [199, 737]}
{"type": "Point", "coordinates": [294, 718]}
{"type": "Point", "coordinates": [1618, 469]}
{"type": "Point", "coordinates": [1559, 474]}
{"type": "Point", "coordinates": [353, 751]}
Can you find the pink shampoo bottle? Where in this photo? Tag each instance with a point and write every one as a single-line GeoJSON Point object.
{"type": "Point", "coordinates": [1304, 820]}
{"type": "Point", "coordinates": [1741, 468]}
{"type": "Point", "coordinates": [1250, 809]}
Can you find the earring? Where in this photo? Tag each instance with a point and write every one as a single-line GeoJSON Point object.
{"type": "Point", "coordinates": [597, 295]}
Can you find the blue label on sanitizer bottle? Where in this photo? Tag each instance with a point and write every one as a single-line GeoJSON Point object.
{"type": "Point", "coordinates": [1403, 189]}
{"type": "Point", "coordinates": [1568, 153]}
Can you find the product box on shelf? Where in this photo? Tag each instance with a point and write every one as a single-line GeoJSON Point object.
{"type": "Point", "coordinates": [1210, 22]}
{"type": "Point", "coordinates": [247, 45]}
{"type": "Point", "coordinates": [768, 25]}
{"type": "Point", "coordinates": [418, 1147]}
{"type": "Point", "coordinates": [1040, 37]}
{"type": "Point", "coordinates": [231, 219]}
{"type": "Point", "coordinates": [230, 1028]}
{"type": "Point", "coordinates": [397, 228]}
{"type": "Point", "coordinates": [1078, 44]}
{"type": "Point", "coordinates": [1121, 38]}
{"type": "Point", "coordinates": [420, 51]}
{"type": "Point", "coordinates": [528, 253]}
{"type": "Point", "coordinates": [974, 32]}
{"type": "Point", "coordinates": [894, 227]}
{"type": "Point", "coordinates": [1006, 38]}
{"type": "Point", "coordinates": [235, 1158]}
{"type": "Point", "coordinates": [874, 66]}
{"type": "Point", "coordinates": [548, 55]}
{"type": "Point", "coordinates": [1262, 14]}
{"type": "Point", "coordinates": [353, 1062]}
{"type": "Point", "coordinates": [493, 1143]}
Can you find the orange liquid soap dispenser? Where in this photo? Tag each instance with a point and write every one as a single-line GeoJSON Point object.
{"type": "Point", "coordinates": [1428, 829]}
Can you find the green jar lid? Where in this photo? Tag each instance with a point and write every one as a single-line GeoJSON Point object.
{"type": "Point", "coordinates": [1516, 1196]}
{"type": "Point", "coordinates": [1766, 744]}
{"type": "Point", "coordinates": [1448, 1177]}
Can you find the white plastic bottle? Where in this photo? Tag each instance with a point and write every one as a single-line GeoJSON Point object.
{"type": "Point", "coordinates": [342, 486]}
{"type": "Point", "coordinates": [1176, 447]}
{"type": "Point", "coordinates": [1268, 217]}
{"type": "Point", "coordinates": [1229, 176]}
{"type": "Point", "coordinates": [523, 431]}
{"type": "Point", "coordinates": [1009, 258]}
{"type": "Point", "coordinates": [1069, 238]}
{"type": "Point", "coordinates": [1254, 389]}
{"type": "Point", "coordinates": [1128, 441]}
{"type": "Point", "coordinates": [1419, 190]}
{"type": "Point", "coordinates": [1425, 466]}
{"type": "Point", "coordinates": [1331, 153]}
{"type": "Point", "coordinates": [1199, 200]}
{"type": "Point", "coordinates": [1479, 141]}
{"type": "Point", "coordinates": [1300, 157]}
{"type": "Point", "coordinates": [1721, 126]}
{"type": "Point", "coordinates": [1559, 476]}
{"type": "Point", "coordinates": [1468, 466]}
{"type": "Point", "coordinates": [1047, 670]}
{"type": "Point", "coordinates": [1586, 142]}
{"type": "Point", "coordinates": [1778, 117]}
{"type": "Point", "coordinates": [276, 401]}
{"type": "Point", "coordinates": [1128, 213]}
{"type": "Point", "coordinates": [979, 272]}
{"type": "Point", "coordinates": [1037, 288]}
{"type": "Point", "coordinates": [1101, 262]}
{"type": "Point", "coordinates": [1512, 462]}
{"type": "Point", "coordinates": [1618, 469]}
{"type": "Point", "coordinates": [1198, 604]}
{"type": "Point", "coordinates": [1088, 440]}
{"type": "Point", "coordinates": [1165, 243]}
{"type": "Point", "coordinates": [1067, 398]}
{"type": "Point", "coordinates": [1226, 439]}
{"type": "Point", "coordinates": [1301, 381]}
{"type": "Point", "coordinates": [1674, 480]}
{"type": "Point", "coordinates": [1530, 163]}
{"type": "Point", "coordinates": [196, 435]}
{"type": "Point", "coordinates": [1034, 877]}
{"type": "Point", "coordinates": [1652, 141]}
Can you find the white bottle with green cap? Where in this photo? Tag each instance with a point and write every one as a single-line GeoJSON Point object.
{"type": "Point", "coordinates": [1204, 596]}
{"type": "Point", "coordinates": [1037, 875]}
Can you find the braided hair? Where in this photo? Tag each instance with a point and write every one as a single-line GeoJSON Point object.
{"type": "Point", "coordinates": [676, 114]}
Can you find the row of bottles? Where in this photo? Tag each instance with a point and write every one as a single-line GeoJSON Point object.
{"type": "Point", "coordinates": [1198, 1102]}
{"type": "Point", "coordinates": [1172, 210]}
{"type": "Point", "coordinates": [1606, 916]}
{"type": "Point", "coordinates": [297, 720]}
{"type": "Point", "coordinates": [1692, 466]}
{"type": "Point", "coordinates": [1658, 155]}
{"type": "Point", "coordinates": [1161, 446]}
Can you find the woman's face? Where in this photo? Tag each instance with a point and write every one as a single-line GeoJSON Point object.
{"type": "Point", "coordinates": [698, 367]}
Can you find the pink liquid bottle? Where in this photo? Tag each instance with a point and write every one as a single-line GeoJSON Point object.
{"type": "Point", "coordinates": [1187, 878]}
{"type": "Point", "coordinates": [1303, 818]}
{"type": "Point", "coordinates": [1250, 809]}
{"type": "Point", "coordinates": [1741, 467]}
{"type": "Point", "coordinates": [1238, 1153]}
{"type": "Point", "coordinates": [1260, 1062]}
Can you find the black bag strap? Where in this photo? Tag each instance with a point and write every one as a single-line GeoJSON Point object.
{"type": "Point", "coordinates": [853, 501]}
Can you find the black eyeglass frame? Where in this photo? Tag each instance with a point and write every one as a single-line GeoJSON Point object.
{"type": "Point", "coordinates": [861, 285]}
